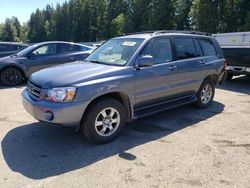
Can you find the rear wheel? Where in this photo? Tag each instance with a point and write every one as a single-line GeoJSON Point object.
{"type": "Point", "coordinates": [205, 94]}
{"type": "Point", "coordinates": [11, 76]}
{"type": "Point", "coordinates": [104, 121]}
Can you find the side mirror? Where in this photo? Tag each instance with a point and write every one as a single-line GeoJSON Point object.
{"type": "Point", "coordinates": [30, 56]}
{"type": "Point", "coordinates": [145, 61]}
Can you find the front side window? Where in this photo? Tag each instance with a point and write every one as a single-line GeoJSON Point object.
{"type": "Point", "coordinates": [184, 48]}
{"type": "Point", "coordinates": [45, 50]}
{"type": "Point", "coordinates": [159, 49]}
{"type": "Point", "coordinates": [207, 47]}
{"type": "Point", "coordinates": [115, 51]}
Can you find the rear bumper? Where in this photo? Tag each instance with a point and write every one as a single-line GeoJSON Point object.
{"type": "Point", "coordinates": [238, 70]}
{"type": "Point", "coordinates": [65, 114]}
{"type": "Point", "coordinates": [222, 77]}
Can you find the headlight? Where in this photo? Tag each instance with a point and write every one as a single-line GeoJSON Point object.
{"type": "Point", "coordinates": [63, 94]}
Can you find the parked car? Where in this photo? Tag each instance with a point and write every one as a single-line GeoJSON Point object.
{"type": "Point", "coordinates": [18, 67]}
{"type": "Point", "coordinates": [153, 72]}
{"type": "Point", "coordinates": [8, 48]}
{"type": "Point", "coordinates": [236, 48]}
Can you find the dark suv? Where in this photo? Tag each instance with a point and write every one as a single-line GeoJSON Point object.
{"type": "Point", "coordinates": [8, 48]}
{"type": "Point", "coordinates": [128, 77]}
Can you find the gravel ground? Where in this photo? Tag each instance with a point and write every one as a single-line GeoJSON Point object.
{"type": "Point", "coordinates": [183, 147]}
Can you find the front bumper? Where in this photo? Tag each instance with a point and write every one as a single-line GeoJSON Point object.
{"type": "Point", "coordinates": [66, 114]}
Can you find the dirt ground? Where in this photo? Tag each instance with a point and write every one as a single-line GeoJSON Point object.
{"type": "Point", "coordinates": [183, 147]}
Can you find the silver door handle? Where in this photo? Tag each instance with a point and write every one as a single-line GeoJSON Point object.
{"type": "Point", "coordinates": [202, 62]}
{"type": "Point", "coordinates": [173, 67]}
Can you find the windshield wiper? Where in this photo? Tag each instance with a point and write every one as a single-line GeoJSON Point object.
{"type": "Point", "coordinates": [95, 61]}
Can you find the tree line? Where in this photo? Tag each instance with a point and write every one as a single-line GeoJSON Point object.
{"type": "Point", "coordinates": [95, 20]}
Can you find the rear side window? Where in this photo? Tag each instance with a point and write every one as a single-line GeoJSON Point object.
{"type": "Point", "coordinates": [64, 48]}
{"type": "Point", "coordinates": [184, 48]}
{"type": "Point", "coordinates": [159, 49]}
{"type": "Point", "coordinates": [83, 48]}
{"type": "Point", "coordinates": [5, 47]}
{"type": "Point", "coordinates": [207, 47]}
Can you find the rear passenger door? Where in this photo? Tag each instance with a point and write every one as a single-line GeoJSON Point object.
{"type": "Point", "coordinates": [210, 55]}
{"type": "Point", "coordinates": [191, 64]}
{"type": "Point", "coordinates": [158, 82]}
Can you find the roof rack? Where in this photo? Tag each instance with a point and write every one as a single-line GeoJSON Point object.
{"type": "Point", "coordinates": [173, 31]}
{"type": "Point", "coordinates": [181, 31]}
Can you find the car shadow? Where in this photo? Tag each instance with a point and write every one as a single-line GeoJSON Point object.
{"type": "Point", "coordinates": [39, 150]}
{"type": "Point", "coordinates": [239, 84]}
{"type": "Point", "coordinates": [10, 87]}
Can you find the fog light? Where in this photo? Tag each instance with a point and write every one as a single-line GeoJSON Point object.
{"type": "Point", "coordinates": [49, 116]}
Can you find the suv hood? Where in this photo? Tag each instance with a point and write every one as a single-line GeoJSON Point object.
{"type": "Point", "coordinates": [72, 73]}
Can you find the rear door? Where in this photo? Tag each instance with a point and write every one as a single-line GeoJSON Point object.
{"type": "Point", "coordinates": [41, 58]}
{"type": "Point", "coordinates": [214, 62]}
{"type": "Point", "coordinates": [191, 64]}
{"type": "Point", "coordinates": [158, 82]}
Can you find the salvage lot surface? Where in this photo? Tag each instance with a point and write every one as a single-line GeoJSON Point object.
{"type": "Point", "coordinates": [183, 147]}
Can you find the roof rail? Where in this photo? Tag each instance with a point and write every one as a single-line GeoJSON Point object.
{"type": "Point", "coordinates": [168, 31]}
{"type": "Point", "coordinates": [181, 31]}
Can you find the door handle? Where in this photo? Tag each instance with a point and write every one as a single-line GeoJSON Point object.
{"type": "Point", "coordinates": [202, 62]}
{"type": "Point", "coordinates": [172, 67]}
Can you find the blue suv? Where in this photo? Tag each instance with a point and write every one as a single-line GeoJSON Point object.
{"type": "Point", "coordinates": [127, 78]}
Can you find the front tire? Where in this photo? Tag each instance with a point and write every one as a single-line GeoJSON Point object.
{"type": "Point", "coordinates": [205, 94]}
{"type": "Point", "coordinates": [104, 121]}
{"type": "Point", "coordinates": [11, 76]}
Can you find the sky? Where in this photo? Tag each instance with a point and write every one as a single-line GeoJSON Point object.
{"type": "Point", "coordinates": [22, 9]}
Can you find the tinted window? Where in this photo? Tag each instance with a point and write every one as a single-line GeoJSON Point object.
{"type": "Point", "coordinates": [159, 49]}
{"type": "Point", "coordinates": [45, 50]}
{"type": "Point", "coordinates": [198, 47]}
{"type": "Point", "coordinates": [184, 48]}
{"type": "Point", "coordinates": [76, 48]}
{"type": "Point", "coordinates": [207, 47]}
{"type": "Point", "coordinates": [64, 48]}
{"type": "Point", "coordinates": [5, 47]}
{"type": "Point", "coordinates": [83, 48]}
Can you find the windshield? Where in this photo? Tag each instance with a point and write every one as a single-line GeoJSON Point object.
{"type": "Point", "coordinates": [115, 51]}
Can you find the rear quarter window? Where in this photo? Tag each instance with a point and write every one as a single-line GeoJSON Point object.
{"type": "Point", "coordinates": [207, 47]}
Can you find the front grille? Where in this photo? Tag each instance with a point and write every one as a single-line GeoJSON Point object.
{"type": "Point", "coordinates": [33, 90]}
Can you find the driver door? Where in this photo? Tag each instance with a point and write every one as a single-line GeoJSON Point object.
{"type": "Point", "coordinates": [42, 57]}
{"type": "Point", "coordinates": [156, 83]}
